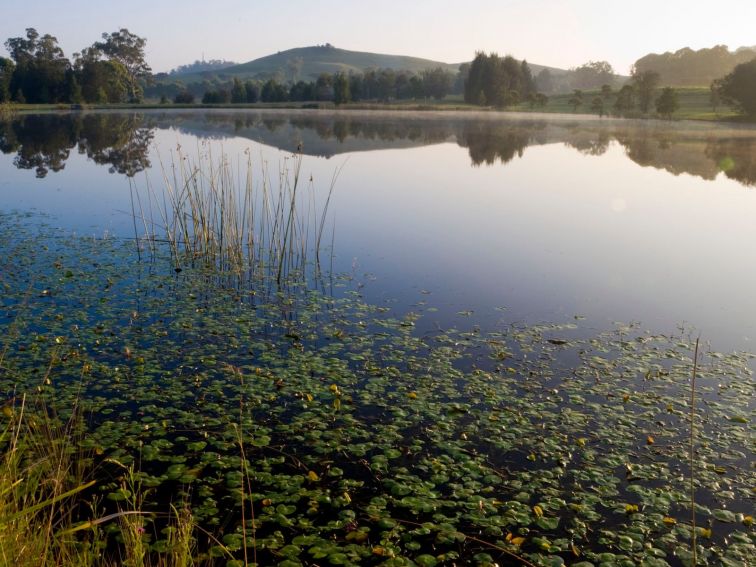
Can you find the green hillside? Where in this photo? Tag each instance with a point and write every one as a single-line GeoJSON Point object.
{"type": "Point", "coordinates": [329, 59]}
{"type": "Point", "coordinates": [307, 63]}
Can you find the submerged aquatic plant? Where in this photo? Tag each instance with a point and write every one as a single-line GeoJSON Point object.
{"type": "Point", "coordinates": [321, 429]}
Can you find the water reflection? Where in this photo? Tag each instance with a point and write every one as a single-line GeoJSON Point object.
{"type": "Point", "coordinates": [43, 142]}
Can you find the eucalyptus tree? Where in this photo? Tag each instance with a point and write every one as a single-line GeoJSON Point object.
{"type": "Point", "coordinates": [127, 49]}
{"type": "Point", "coordinates": [40, 73]}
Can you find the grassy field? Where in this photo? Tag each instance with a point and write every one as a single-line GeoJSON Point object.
{"type": "Point", "coordinates": [694, 105]}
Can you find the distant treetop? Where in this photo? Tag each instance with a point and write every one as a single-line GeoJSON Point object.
{"type": "Point", "coordinates": [200, 66]}
{"type": "Point", "coordinates": [688, 67]}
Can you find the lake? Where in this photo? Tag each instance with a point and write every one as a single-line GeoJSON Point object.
{"type": "Point", "coordinates": [496, 345]}
{"type": "Point", "coordinates": [608, 220]}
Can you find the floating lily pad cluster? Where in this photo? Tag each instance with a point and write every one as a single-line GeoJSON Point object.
{"type": "Point", "coordinates": [312, 428]}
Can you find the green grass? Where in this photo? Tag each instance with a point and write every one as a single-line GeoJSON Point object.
{"type": "Point", "coordinates": [694, 105]}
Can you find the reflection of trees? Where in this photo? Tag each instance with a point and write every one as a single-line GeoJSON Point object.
{"type": "Point", "coordinates": [341, 128]}
{"type": "Point", "coordinates": [695, 151]}
{"type": "Point", "coordinates": [43, 142]}
{"type": "Point", "coordinates": [589, 142]}
{"type": "Point", "coordinates": [735, 157]}
{"type": "Point", "coordinates": [488, 143]}
{"type": "Point", "coordinates": [123, 142]}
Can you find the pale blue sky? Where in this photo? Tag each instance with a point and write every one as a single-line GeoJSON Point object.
{"type": "Point", "coordinates": [562, 33]}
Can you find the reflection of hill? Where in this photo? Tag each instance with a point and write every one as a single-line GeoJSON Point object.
{"type": "Point", "coordinates": [43, 142]}
{"type": "Point", "coordinates": [310, 132]}
{"type": "Point", "coordinates": [676, 148]}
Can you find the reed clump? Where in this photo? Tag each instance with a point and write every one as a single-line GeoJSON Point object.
{"type": "Point", "coordinates": [236, 216]}
{"type": "Point", "coordinates": [44, 494]}
{"type": "Point", "coordinates": [41, 478]}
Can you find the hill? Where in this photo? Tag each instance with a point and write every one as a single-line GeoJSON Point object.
{"type": "Point", "coordinates": [307, 63]}
{"type": "Point", "coordinates": [688, 67]}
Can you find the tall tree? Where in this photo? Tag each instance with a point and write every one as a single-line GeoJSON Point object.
{"type": "Point", "coordinates": [101, 80]}
{"type": "Point", "coordinates": [667, 103]}
{"type": "Point", "coordinates": [576, 100]}
{"type": "Point", "coordinates": [597, 106]}
{"type": "Point", "coordinates": [41, 66]}
{"type": "Point", "coordinates": [739, 88]}
{"type": "Point", "coordinates": [592, 75]}
{"type": "Point", "coordinates": [436, 83]}
{"type": "Point", "coordinates": [625, 100]}
{"type": "Point", "coordinates": [341, 92]}
{"type": "Point", "coordinates": [238, 92]}
{"type": "Point", "coordinates": [6, 75]}
{"type": "Point", "coordinates": [127, 49]}
{"type": "Point", "coordinates": [645, 83]}
{"type": "Point", "coordinates": [251, 91]}
{"type": "Point", "coordinates": [497, 81]}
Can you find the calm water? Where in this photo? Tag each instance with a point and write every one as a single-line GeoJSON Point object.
{"type": "Point", "coordinates": [474, 219]}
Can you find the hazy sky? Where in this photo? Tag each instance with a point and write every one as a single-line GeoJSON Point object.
{"type": "Point", "coordinates": [561, 33]}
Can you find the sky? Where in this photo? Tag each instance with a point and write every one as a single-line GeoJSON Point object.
{"type": "Point", "coordinates": [559, 33]}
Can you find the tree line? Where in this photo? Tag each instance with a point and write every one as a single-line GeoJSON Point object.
{"type": "Point", "coordinates": [114, 70]}
{"type": "Point", "coordinates": [374, 84]}
{"type": "Point", "coordinates": [495, 81]}
{"type": "Point", "coordinates": [111, 70]}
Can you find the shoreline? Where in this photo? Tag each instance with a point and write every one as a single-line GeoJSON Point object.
{"type": "Point", "coordinates": [728, 119]}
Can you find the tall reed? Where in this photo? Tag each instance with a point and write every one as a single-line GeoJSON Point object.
{"type": "Point", "coordinates": [234, 217]}
{"type": "Point", "coordinates": [40, 477]}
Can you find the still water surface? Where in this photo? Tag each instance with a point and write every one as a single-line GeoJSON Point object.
{"type": "Point", "coordinates": [472, 219]}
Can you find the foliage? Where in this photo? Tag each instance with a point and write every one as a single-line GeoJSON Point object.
{"type": "Point", "coordinates": [497, 81]}
{"type": "Point", "coordinates": [597, 105]}
{"type": "Point", "coordinates": [221, 96]}
{"type": "Point", "coordinates": [108, 71]}
{"type": "Point", "coordinates": [341, 92]}
{"type": "Point", "coordinates": [251, 91]}
{"type": "Point", "coordinates": [201, 66]}
{"type": "Point", "coordinates": [356, 438]}
{"type": "Point", "coordinates": [645, 83]}
{"type": "Point", "coordinates": [40, 68]}
{"type": "Point", "coordinates": [576, 100]}
{"type": "Point", "coordinates": [127, 49]}
{"type": "Point", "coordinates": [688, 67]}
{"type": "Point", "coordinates": [238, 92]}
{"type": "Point", "coordinates": [667, 102]}
{"type": "Point", "coordinates": [593, 75]}
{"type": "Point", "coordinates": [6, 75]}
{"type": "Point", "coordinates": [184, 97]}
{"type": "Point", "coordinates": [102, 80]}
{"type": "Point", "coordinates": [273, 91]}
{"type": "Point", "coordinates": [739, 88]}
{"type": "Point", "coordinates": [625, 101]}
{"type": "Point", "coordinates": [436, 83]}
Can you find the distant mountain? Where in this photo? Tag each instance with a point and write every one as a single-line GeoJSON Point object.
{"type": "Point", "coordinates": [307, 63]}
